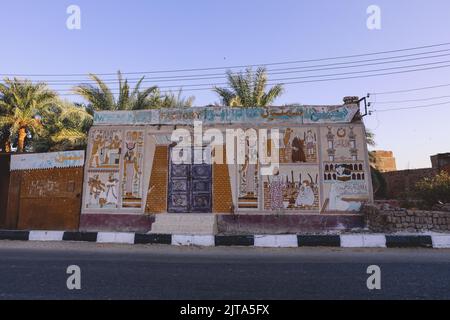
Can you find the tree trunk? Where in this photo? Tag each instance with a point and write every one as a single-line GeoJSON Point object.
{"type": "Point", "coordinates": [22, 137]}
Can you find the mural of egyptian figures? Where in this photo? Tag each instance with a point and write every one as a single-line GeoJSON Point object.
{"type": "Point", "coordinates": [111, 196]}
{"type": "Point", "coordinates": [132, 172]}
{"type": "Point", "coordinates": [249, 177]}
{"type": "Point", "coordinates": [106, 149]}
{"type": "Point", "coordinates": [96, 188]}
{"type": "Point", "coordinates": [305, 195]}
{"type": "Point", "coordinates": [344, 143]}
{"type": "Point", "coordinates": [299, 189]}
{"type": "Point", "coordinates": [310, 140]}
{"type": "Point", "coordinates": [103, 190]}
{"type": "Point", "coordinates": [276, 187]}
{"type": "Point", "coordinates": [299, 145]}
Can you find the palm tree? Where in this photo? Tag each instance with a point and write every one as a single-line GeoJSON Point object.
{"type": "Point", "coordinates": [66, 126]}
{"type": "Point", "coordinates": [248, 89]}
{"type": "Point", "coordinates": [22, 103]}
{"type": "Point", "coordinates": [379, 183]}
{"type": "Point", "coordinates": [73, 125]}
{"type": "Point", "coordinates": [173, 100]}
{"type": "Point", "coordinates": [101, 98]}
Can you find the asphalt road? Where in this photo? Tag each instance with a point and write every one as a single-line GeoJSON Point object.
{"type": "Point", "coordinates": [38, 271]}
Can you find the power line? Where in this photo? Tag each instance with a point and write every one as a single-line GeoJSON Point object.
{"type": "Point", "coordinates": [270, 72]}
{"type": "Point", "coordinates": [312, 81]}
{"type": "Point", "coordinates": [414, 107]}
{"type": "Point", "coordinates": [190, 78]}
{"type": "Point", "coordinates": [411, 100]}
{"type": "Point", "coordinates": [282, 80]}
{"type": "Point", "coordinates": [233, 67]}
{"type": "Point", "coordinates": [410, 90]}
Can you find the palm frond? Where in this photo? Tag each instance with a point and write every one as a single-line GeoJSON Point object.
{"type": "Point", "coordinates": [248, 89]}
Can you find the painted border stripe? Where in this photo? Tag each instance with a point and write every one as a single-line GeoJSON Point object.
{"type": "Point", "coordinates": [80, 236]}
{"type": "Point", "coordinates": [363, 241]}
{"type": "Point", "coordinates": [409, 241]}
{"type": "Point", "coordinates": [14, 235]}
{"type": "Point", "coordinates": [276, 241]}
{"type": "Point", "coordinates": [193, 240]}
{"type": "Point", "coordinates": [115, 237]}
{"type": "Point", "coordinates": [140, 238]}
{"type": "Point", "coordinates": [441, 241]}
{"type": "Point", "coordinates": [46, 235]}
{"type": "Point", "coordinates": [319, 241]}
{"type": "Point", "coordinates": [234, 240]}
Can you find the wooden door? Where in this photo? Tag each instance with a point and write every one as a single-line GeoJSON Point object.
{"type": "Point", "coordinates": [189, 187]}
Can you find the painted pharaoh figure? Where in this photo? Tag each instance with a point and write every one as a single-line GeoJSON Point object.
{"type": "Point", "coordinates": [299, 146]}
{"type": "Point", "coordinates": [106, 149]}
{"type": "Point", "coordinates": [103, 190]}
{"type": "Point", "coordinates": [249, 176]}
{"type": "Point", "coordinates": [132, 169]}
{"type": "Point", "coordinates": [111, 184]}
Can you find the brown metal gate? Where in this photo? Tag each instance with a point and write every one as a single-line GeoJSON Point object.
{"type": "Point", "coordinates": [46, 199]}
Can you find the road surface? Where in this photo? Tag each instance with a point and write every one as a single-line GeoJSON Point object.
{"type": "Point", "coordinates": [31, 270]}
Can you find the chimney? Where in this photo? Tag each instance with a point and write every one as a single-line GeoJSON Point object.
{"type": "Point", "coordinates": [351, 100]}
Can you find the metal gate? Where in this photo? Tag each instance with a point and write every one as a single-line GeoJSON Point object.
{"type": "Point", "coordinates": [189, 187]}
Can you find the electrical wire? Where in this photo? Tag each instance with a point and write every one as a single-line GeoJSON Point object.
{"type": "Point", "coordinates": [233, 67]}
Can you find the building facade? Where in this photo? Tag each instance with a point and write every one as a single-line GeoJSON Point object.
{"type": "Point", "coordinates": [316, 165]}
{"type": "Point", "coordinates": [384, 161]}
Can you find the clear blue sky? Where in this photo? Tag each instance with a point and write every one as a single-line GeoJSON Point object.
{"type": "Point", "coordinates": [138, 35]}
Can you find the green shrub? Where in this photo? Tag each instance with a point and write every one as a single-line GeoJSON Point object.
{"type": "Point", "coordinates": [434, 190]}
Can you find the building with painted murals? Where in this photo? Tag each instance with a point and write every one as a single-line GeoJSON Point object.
{"type": "Point", "coordinates": [132, 183]}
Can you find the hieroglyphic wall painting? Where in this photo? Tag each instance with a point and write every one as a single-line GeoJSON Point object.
{"type": "Point", "coordinates": [294, 188]}
{"type": "Point", "coordinates": [106, 149]}
{"type": "Point", "coordinates": [342, 143]}
{"type": "Point", "coordinates": [345, 179]}
{"type": "Point", "coordinates": [132, 169]}
{"type": "Point", "coordinates": [248, 176]}
{"type": "Point", "coordinates": [102, 190]}
{"type": "Point", "coordinates": [103, 169]}
{"type": "Point", "coordinates": [322, 168]}
{"type": "Point", "coordinates": [298, 145]}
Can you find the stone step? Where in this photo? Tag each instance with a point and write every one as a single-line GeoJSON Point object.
{"type": "Point", "coordinates": [198, 218]}
{"type": "Point", "coordinates": [202, 224]}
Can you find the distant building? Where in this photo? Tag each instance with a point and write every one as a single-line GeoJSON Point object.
{"type": "Point", "coordinates": [441, 161]}
{"type": "Point", "coordinates": [384, 161]}
{"type": "Point", "coordinates": [401, 184]}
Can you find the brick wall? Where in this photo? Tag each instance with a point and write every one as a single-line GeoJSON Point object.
{"type": "Point", "coordinates": [157, 196]}
{"type": "Point", "coordinates": [399, 219]}
{"type": "Point", "coordinates": [401, 183]}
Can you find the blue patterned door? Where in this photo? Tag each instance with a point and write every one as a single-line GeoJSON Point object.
{"type": "Point", "coordinates": [190, 188]}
